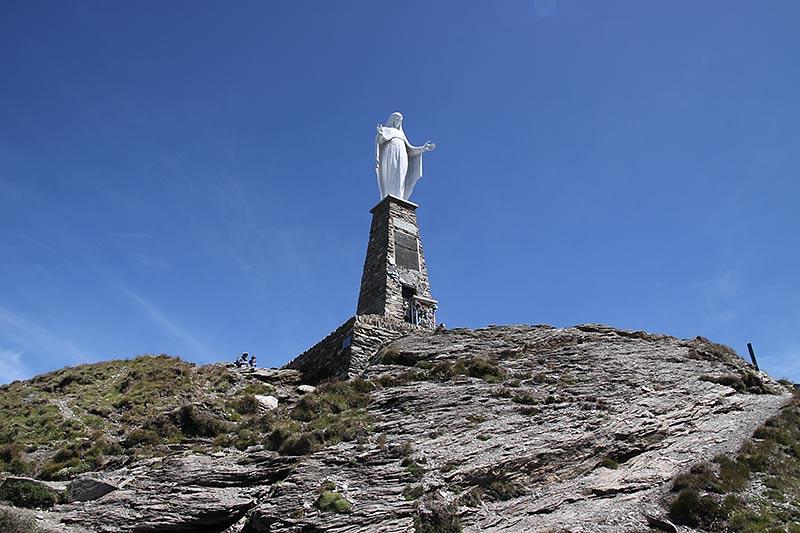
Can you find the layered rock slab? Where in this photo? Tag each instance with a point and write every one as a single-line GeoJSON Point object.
{"type": "Point", "coordinates": [571, 400]}
{"type": "Point", "coordinates": [575, 428]}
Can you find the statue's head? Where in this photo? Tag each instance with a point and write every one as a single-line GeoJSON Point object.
{"type": "Point", "coordinates": [395, 120]}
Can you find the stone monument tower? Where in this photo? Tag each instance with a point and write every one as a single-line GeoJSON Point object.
{"type": "Point", "coordinates": [395, 297]}
{"type": "Point", "coordinates": [395, 280]}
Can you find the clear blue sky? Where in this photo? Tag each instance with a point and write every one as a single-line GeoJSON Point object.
{"type": "Point", "coordinates": [195, 178]}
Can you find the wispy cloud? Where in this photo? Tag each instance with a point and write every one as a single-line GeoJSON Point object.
{"type": "Point", "coordinates": [26, 332]}
{"type": "Point", "coordinates": [12, 367]}
{"type": "Point", "coordinates": [719, 294]}
{"type": "Point", "coordinates": [157, 316]}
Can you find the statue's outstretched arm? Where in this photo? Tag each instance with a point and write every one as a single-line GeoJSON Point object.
{"type": "Point", "coordinates": [427, 147]}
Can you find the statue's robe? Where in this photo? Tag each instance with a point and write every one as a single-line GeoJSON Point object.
{"type": "Point", "coordinates": [398, 164]}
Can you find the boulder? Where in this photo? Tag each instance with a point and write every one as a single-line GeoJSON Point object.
{"type": "Point", "coordinates": [86, 488]}
{"type": "Point", "coordinates": [305, 389]}
{"type": "Point", "coordinates": [266, 403]}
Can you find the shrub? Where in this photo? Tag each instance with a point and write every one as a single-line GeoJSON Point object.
{"type": "Point", "coordinates": [196, 422]}
{"type": "Point", "coordinates": [23, 493]}
{"type": "Point", "coordinates": [412, 492]}
{"type": "Point", "coordinates": [733, 475]}
{"type": "Point", "coordinates": [436, 517]}
{"type": "Point", "coordinates": [332, 502]}
{"type": "Point", "coordinates": [139, 437]}
{"type": "Point", "coordinates": [525, 398]}
{"type": "Point", "coordinates": [244, 404]}
{"type": "Point", "coordinates": [471, 498]}
{"type": "Point", "coordinates": [78, 457]}
{"type": "Point", "coordinates": [300, 444]}
{"type": "Point", "coordinates": [485, 370]}
{"type": "Point", "coordinates": [11, 460]}
{"type": "Point", "coordinates": [392, 356]}
{"type": "Point", "coordinates": [413, 468]}
{"type": "Point", "coordinates": [692, 509]}
{"type": "Point", "coordinates": [14, 522]}
{"type": "Point", "coordinates": [332, 398]}
{"type": "Point", "coordinates": [441, 371]}
{"type": "Point", "coordinates": [281, 432]}
{"type": "Point", "coordinates": [503, 490]}
{"type": "Point", "coordinates": [608, 462]}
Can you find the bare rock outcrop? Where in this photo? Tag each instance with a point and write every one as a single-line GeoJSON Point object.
{"type": "Point", "coordinates": [513, 428]}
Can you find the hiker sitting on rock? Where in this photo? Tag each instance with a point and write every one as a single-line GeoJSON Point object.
{"type": "Point", "coordinates": [241, 360]}
{"type": "Point", "coordinates": [252, 361]}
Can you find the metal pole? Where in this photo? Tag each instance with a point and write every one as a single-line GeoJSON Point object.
{"type": "Point", "coordinates": [752, 355]}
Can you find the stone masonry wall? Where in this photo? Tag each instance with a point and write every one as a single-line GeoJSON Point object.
{"type": "Point", "coordinates": [348, 350]}
{"type": "Point", "coordinates": [372, 296]}
{"type": "Point", "coordinates": [327, 359]}
{"type": "Point", "coordinates": [370, 333]}
{"type": "Point", "coordinates": [383, 279]}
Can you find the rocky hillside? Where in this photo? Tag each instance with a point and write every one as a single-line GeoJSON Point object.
{"type": "Point", "coordinates": [515, 428]}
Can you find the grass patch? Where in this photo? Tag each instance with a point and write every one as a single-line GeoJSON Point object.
{"type": "Point", "coordinates": [745, 381]}
{"type": "Point", "coordinates": [712, 495]}
{"type": "Point", "coordinates": [12, 521]}
{"type": "Point", "coordinates": [412, 492]}
{"type": "Point", "coordinates": [503, 490]}
{"type": "Point", "coordinates": [393, 356]}
{"type": "Point", "coordinates": [332, 502]}
{"type": "Point", "coordinates": [435, 516]}
{"type": "Point", "coordinates": [608, 462]}
{"type": "Point", "coordinates": [335, 412]}
{"type": "Point", "coordinates": [413, 468]}
{"type": "Point", "coordinates": [23, 493]}
{"type": "Point", "coordinates": [12, 460]}
{"type": "Point", "coordinates": [525, 398]}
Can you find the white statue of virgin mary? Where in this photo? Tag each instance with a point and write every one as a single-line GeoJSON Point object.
{"type": "Point", "coordinates": [398, 164]}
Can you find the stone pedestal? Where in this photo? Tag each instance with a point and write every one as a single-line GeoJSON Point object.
{"type": "Point", "coordinates": [395, 298]}
{"type": "Point", "coordinates": [395, 279]}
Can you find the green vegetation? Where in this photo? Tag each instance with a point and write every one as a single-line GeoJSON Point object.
{"type": "Point", "coordinates": [332, 502]}
{"type": "Point", "coordinates": [608, 462]}
{"type": "Point", "coordinates": [102, 396]}
{"type": "Point", "coordinates": [525, 398]}
{"type": "Point", "coordinates": [436, 517]}
{"type": "Point", "coordinates": [712, 496]}
{"type": "Point", "coordinates": [500, 489]}
{"type": "Point", "coordinates": [12, 461]}
{"type": "Point", "coordinates": [413, 468]}
{"type": "Point", "coordinates": [334, 413]}
{"type": "Point", "coordinates": [78, 457]}
{"type": "Point", "coordinates": [76, 419]}
{"type": "Point", "coordinates": [22, 493]}
{"type": "Point", "coordinates": [392, 356]}
{"type": "Point", "coordinates": [12, 521]}
{"type": "Point", "coordinates": [744, 381]}
{"type": "Point", "coordinates": [412, 492]}
{"type": "Point", "coordinates": [476, 367]}
{"type": "Point", "coordinates": [449, 466]}
{"type": "Point", "coordinates": [471, 497]}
